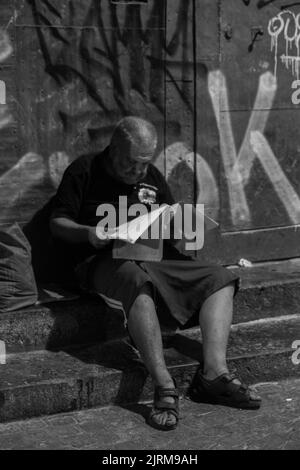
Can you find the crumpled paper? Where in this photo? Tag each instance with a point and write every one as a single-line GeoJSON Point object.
{"type": "Point", "coordinates": [244, 263]}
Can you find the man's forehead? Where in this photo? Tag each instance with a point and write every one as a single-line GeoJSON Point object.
{"type": "Point", "coordinates": [141, 153]}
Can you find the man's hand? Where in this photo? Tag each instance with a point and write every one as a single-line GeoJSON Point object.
{"type": "Point", "coordinates": [72, 232]}
{"type": "Point", "coordinates": [96, 241]}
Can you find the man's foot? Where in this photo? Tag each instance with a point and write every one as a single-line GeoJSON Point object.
{"type": "Point", "coordinates": [165, 411]}
{"type": "Point", "coordinates": [226, 389]}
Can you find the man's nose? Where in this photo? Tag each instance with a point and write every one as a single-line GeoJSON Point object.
{"type": "Point", "coordinates": [139, 169]}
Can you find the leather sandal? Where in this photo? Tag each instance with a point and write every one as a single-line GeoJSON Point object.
{"type": "Point", "coordinates": [224, 391]}
{"type": "Point", "coordinates": [160, 406]}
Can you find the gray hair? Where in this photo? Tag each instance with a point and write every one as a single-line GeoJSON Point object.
{"type": "Point", "coordinates": [136, 131]}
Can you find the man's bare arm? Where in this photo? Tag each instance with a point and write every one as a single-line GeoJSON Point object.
{"type": "Point", "coordinates": [72, 232]}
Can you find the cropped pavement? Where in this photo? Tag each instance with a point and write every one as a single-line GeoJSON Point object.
{"type": "Point", "coordinates": [202, 426]}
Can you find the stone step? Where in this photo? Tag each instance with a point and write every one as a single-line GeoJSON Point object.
{"type": "Point", "coordinates": [267, 290]}
{"type": "Point", "coordinates": [54, 325]}
{"type": "Point", "coordinates": [47, 382]}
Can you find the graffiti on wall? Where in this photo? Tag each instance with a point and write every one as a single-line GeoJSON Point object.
{"type": "Point", "coordinates": [6, 48]}
{"type": "Point", "coordinates": [105, 68]}
{"type": "Point", "coordinates": [30, 168]}
{"type": "Point", "coordinates": [238, 166]}
{"type": "Point", "coordinates": [5, 51]}
{"type": "Point", "coordinates": [181, 163]}
{"type": "Point", "coordinates": [109, 66]}
{"type": "Point", "coordinates": [260, 3]}
{"type": "Point", "coordinates": [16, 183]}
{"type": "Point", "coordinates": [285, 28]}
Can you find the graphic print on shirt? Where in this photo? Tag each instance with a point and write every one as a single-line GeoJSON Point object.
{"type": "Point", "coordinates": [147, 194]}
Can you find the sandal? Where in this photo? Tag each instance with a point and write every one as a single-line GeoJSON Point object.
{"type": "Point", "coordinates": [224, 391]}
{"type": "Point", "coordinates": [159, 406]}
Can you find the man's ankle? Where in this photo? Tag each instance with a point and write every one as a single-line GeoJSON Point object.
{"type": "Point", "coordinates": [211, 373]}
{"type": "Point", "coordinates": [165, 383]}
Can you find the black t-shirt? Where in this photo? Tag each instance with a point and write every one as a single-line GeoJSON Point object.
{"type": "Point", "coordinates": [86, 184]}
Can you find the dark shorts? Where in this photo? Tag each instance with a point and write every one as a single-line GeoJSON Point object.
{"type": "Point", "coordinates": [180, 285]}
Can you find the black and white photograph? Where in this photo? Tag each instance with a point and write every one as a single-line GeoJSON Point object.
{"type": "Point", "coordinates": [149, 228]}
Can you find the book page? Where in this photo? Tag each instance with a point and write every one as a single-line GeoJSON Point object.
{"type": "Point", "coordinates": [188, 218]}
{"type": "Point", "coordinates": [131, 231]}
{"type": "Point", "coordinates": [134, 229]}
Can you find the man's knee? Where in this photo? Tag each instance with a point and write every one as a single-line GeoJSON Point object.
{"type": "Point", "coordinates": [144, 299]}
{"type": "Point", "coordinates": [229, 288]}
{"type": "Point", "coordinates": [223, 281]}
{"type": "Point", "coordinates": [226, 292]}
{"type": "Point", "coordinates": [147, 290]}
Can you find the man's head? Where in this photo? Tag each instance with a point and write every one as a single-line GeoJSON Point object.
{"type": "Point", "coordinates": [132, 148]}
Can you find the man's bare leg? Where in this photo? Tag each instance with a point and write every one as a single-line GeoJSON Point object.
{"type": "Point", "coordinates": [215, 321]}
{"type": "Point", "coordinates": [145, 331]}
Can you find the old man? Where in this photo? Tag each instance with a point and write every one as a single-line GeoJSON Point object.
{"type": "Point", "coordinates": [195, 294]}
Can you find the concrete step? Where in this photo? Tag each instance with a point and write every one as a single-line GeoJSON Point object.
{"type": "Point", "coordinates": [267, 290]}
{"type": "Point", "coordinates": [54, 325]}
{"type": "Point", "coordinates": [47, 382]}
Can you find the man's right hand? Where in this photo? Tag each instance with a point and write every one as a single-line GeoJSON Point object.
{"type": "Point", "coordinates": [96, 241]}
{"type": "Point", "coordinates": [72, 232]}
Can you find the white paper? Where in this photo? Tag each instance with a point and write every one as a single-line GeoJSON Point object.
{"type": "Point", "coordinates": [131, 231]}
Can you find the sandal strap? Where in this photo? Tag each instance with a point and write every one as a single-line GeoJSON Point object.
{"type": "Point", "coordinates": [160, 405]}
{"type": "Point", "coordinates": [155, 411]}
{"type": "Point", "coordinates": [224, 390]}
{"type": "Point", "coordinates": [242, 386]}
{"type": "Point", "coordinates": [235, 387]}
{"type": "Point", "coordinates": [162, 392]}
{"type": "Point", "coordinates": [224, 384]}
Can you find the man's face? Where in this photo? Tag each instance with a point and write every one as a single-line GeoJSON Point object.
{"type": "Point", "coordinates": [130, 162]}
